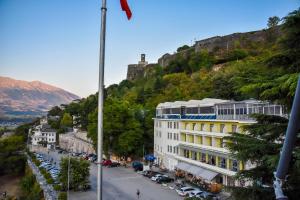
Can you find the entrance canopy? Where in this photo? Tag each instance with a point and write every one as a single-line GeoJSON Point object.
{"type": "Point", "coordinates": [197, 171]}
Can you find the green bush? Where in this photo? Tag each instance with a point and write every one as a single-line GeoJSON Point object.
{"type": "Point", "coordinates": [57, 187]}
{"type": "Point", "coordinates": [62, 196]}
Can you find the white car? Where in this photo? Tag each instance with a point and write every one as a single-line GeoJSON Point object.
{"type": "Point", "coordinates": [154, 178]}
{"type": "Point", "coordinates": [184, 191]}
{"type": "Point", "coordinates": [195, 192]}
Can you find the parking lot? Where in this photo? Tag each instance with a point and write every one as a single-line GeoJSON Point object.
{"type": "Point", "coordinates": [123, 183]}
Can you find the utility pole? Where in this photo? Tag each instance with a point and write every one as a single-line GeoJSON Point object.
{"type": "Point", "coordinates": [100, 98]}
{"type": "Point", "coordinates": [289, 141]}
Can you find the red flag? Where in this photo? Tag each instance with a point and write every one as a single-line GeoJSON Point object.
{"type": "Point", "coordinates": [125, 7]}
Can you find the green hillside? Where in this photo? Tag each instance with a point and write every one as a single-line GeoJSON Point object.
{"type": "Point", "coordinates": [265, 70]}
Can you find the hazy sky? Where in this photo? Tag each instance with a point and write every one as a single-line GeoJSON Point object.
{"type": "Point", "coordinates": [57, 41]}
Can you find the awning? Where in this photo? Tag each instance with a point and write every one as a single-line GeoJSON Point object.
{"type": "Point", "coordinates": [197, 171]}
{"type": "Point", "coordinates": [183, 166]}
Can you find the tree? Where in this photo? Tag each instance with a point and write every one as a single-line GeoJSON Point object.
{"type": "Point", "coordinates": [31, 190]}
{"type": "Point", "coordinates": [261, 146]}
{"type": "Point", "coordinates": [67, 120]}
{"type": "Point", "coordinates": [291, 39]}
{"type": "Point", "coordinates": [184, 47]}
{"type": "Point", "coordinates": [55, 111]}
{"type": "Point", "coordinates": [12, 161]}
{"type": "Point", "coordinates": [273, 21]}
{"type": "Point", "coordinates": [79, 173]}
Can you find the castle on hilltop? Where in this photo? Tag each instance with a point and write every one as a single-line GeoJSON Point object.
{"type": "Point", "coordinates": [137, 70]}
{"type": "Point", "coordinates": [220, 45]}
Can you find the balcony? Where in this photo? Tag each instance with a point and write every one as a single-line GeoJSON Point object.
{"type": "Point", "coordinates": [206, 166]}
{"type": "Point", "coordinates": [205, 147]}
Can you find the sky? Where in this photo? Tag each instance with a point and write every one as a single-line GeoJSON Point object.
{"type": "Point", "coordinates": [57, 41]}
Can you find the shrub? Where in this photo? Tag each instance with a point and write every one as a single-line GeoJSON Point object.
{"type": "Point", "coordinates": [62, 196]}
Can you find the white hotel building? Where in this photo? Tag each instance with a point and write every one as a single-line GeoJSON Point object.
{"type": "Point", "coordinates": [188, 135]}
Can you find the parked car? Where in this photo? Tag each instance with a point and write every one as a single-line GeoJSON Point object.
{"type": "Point", "coordinates": [106, 162]}
{"type": "Point", "coordinates": [114, 164]}
{"type": "Point", "coordinates": [150, 173]}
{"type": "Point", "coordinates": [184, 191]}
{"type": "Point", "coordinates": [154, 178]}
{"type": "Point", "coordinates": [195, 193]}
{"type": "Point", "coordinates": [206, 195]}
{"type": "Point", "coordinates": [137, 166]}
{"type": "Point", "coordinates": [164, 179]}
{"type": "Point", "coordinates": [93, 158]}
{"type": "Point", "coordinates": [60, 151]}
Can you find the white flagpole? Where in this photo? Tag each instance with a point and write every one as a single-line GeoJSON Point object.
{"type": "Point", "coordinates": [100, 98]}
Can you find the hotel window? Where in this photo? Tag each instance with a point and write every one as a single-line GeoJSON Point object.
{"type": "Point", "coordinates": [170, 135]}
{"type": "Point", "coordinates": [194, 125]}
{"type": "Point", "coordinates": [223, 163]}
{"type": "Point", "coordinates": [174, 136]}
{"type": "Point", "coordinates": [174, 149]}
{"type": "Point", "coordinates": [174, 124]}
{"type": "Point", "coordinates": [194, 155]}
{"type": "Point", "coordinates": [203, 157]}
{"type": "Point", "coordinates": [202, 127]}
{"type": "Point", "coordinates": [234, 128]}
{"type": "Point", "coordinates": [234, 165]}
{"type": "Point", "coordinates": [177, 125]}
{"type": "Point", "coordinates": [211, 127]}
{"type": "Point", "coordinates": [222, 127]}
{"type": "Point", "coordinates": [212, 160]}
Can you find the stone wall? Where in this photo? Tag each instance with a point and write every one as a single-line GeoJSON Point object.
{"type": "Point", "coordinates": [135, 71]}
{"type": "Point", "coordinates": [221, 44]}
{"type": "Point", "coordinates": [76, 142]}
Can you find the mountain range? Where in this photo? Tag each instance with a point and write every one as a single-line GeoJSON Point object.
{"type": "Point", "coordinates": [24, 98]}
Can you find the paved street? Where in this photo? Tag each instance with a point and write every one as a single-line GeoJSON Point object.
{"type": "Point", "coordinates": [121, 183]}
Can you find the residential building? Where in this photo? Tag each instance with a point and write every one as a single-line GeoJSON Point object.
{"type": "Point", "coordinates": [189, 136]}
{"type": "Point", "coordinates": [43, 134]}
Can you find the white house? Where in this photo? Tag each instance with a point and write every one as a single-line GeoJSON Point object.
{"type": "Point", "coordinates": [43, 134]}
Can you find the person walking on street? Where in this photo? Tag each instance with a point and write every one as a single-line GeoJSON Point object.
{"type": "Point", "coordinates": [138, 193]}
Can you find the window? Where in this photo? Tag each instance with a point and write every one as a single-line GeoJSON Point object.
{"type": "Point", "coordinates": [174, 149]}
{"type": "Point", "coordinates": [203, 157]}
{"type": "Point", "coordinates": [170, 135]}
{"type": "Point", "coordinates": [202, 127]}
{"type": "Point", "coordinates": [174, 136]}
{"type": "Point", "coordinates": [234, 128]}
{"type": "Point", "coordinates": [170, 124]}
{"type": "Point", "coordinates": [222, 127]}
{"type": "Point", "coordinates": [159, 134]}
{"type": "Point", "coordinates": [223, 163]}
{"type": "Point", "coordinates": [211, 127]}
{"type": "Point", "coordinates": [194, 125]}
{"type": "Point", "coordinates": [234, 165]}
{"type": "Point", "coordinates": [174, 125]}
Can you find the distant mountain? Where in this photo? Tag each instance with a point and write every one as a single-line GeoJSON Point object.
{"type": "Point", "coordinates": [30, 98]}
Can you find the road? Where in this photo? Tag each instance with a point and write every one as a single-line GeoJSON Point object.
{"type": "Point", "coordinates": [121, 183]}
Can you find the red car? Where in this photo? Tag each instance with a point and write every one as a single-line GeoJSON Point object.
{"type": "Point", "coordinates": [106, 162]}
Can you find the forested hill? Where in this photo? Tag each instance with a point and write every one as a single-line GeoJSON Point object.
{"type": "Point", "coordinates": [260, 70]}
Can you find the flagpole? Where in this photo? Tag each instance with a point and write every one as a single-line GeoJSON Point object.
{"type": "Point", "coordinates": [101, 99]}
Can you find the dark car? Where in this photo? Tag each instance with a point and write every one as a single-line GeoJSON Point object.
{"type": "Point", "coordinates": [114, 164]}
{"type": "Point", "coordinates": [164, 179]}
{"type": "Point", "coordinates": [137, 166]}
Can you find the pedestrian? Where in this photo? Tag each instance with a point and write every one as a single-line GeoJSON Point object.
{"type": "Point", "coordinates": [138, 193]}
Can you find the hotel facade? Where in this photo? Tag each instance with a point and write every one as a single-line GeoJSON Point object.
{"type": "Point", "coordinates": [189, 136]}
